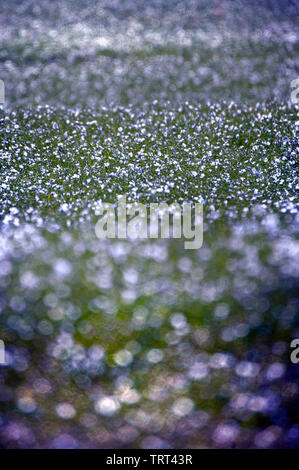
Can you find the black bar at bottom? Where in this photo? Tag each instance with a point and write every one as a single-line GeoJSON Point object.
{"type": "Point", "coordinates": [141, 459]}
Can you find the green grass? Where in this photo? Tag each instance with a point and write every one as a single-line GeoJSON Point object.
{"type": "Point", "coordinates": [231, 157]}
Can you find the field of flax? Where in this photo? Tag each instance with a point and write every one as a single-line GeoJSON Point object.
{"type": "Point", "coordinates": [141, 343]}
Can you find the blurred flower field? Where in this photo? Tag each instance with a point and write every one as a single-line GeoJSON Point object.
{"type": "Point", "coordinates": [141, 343]}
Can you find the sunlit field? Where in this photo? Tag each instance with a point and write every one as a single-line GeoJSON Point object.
{"type": "Point", "coordinates": [142, 343]}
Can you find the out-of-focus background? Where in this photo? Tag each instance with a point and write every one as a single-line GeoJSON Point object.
{"type": "Point", "coordinates": [103, 52]}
